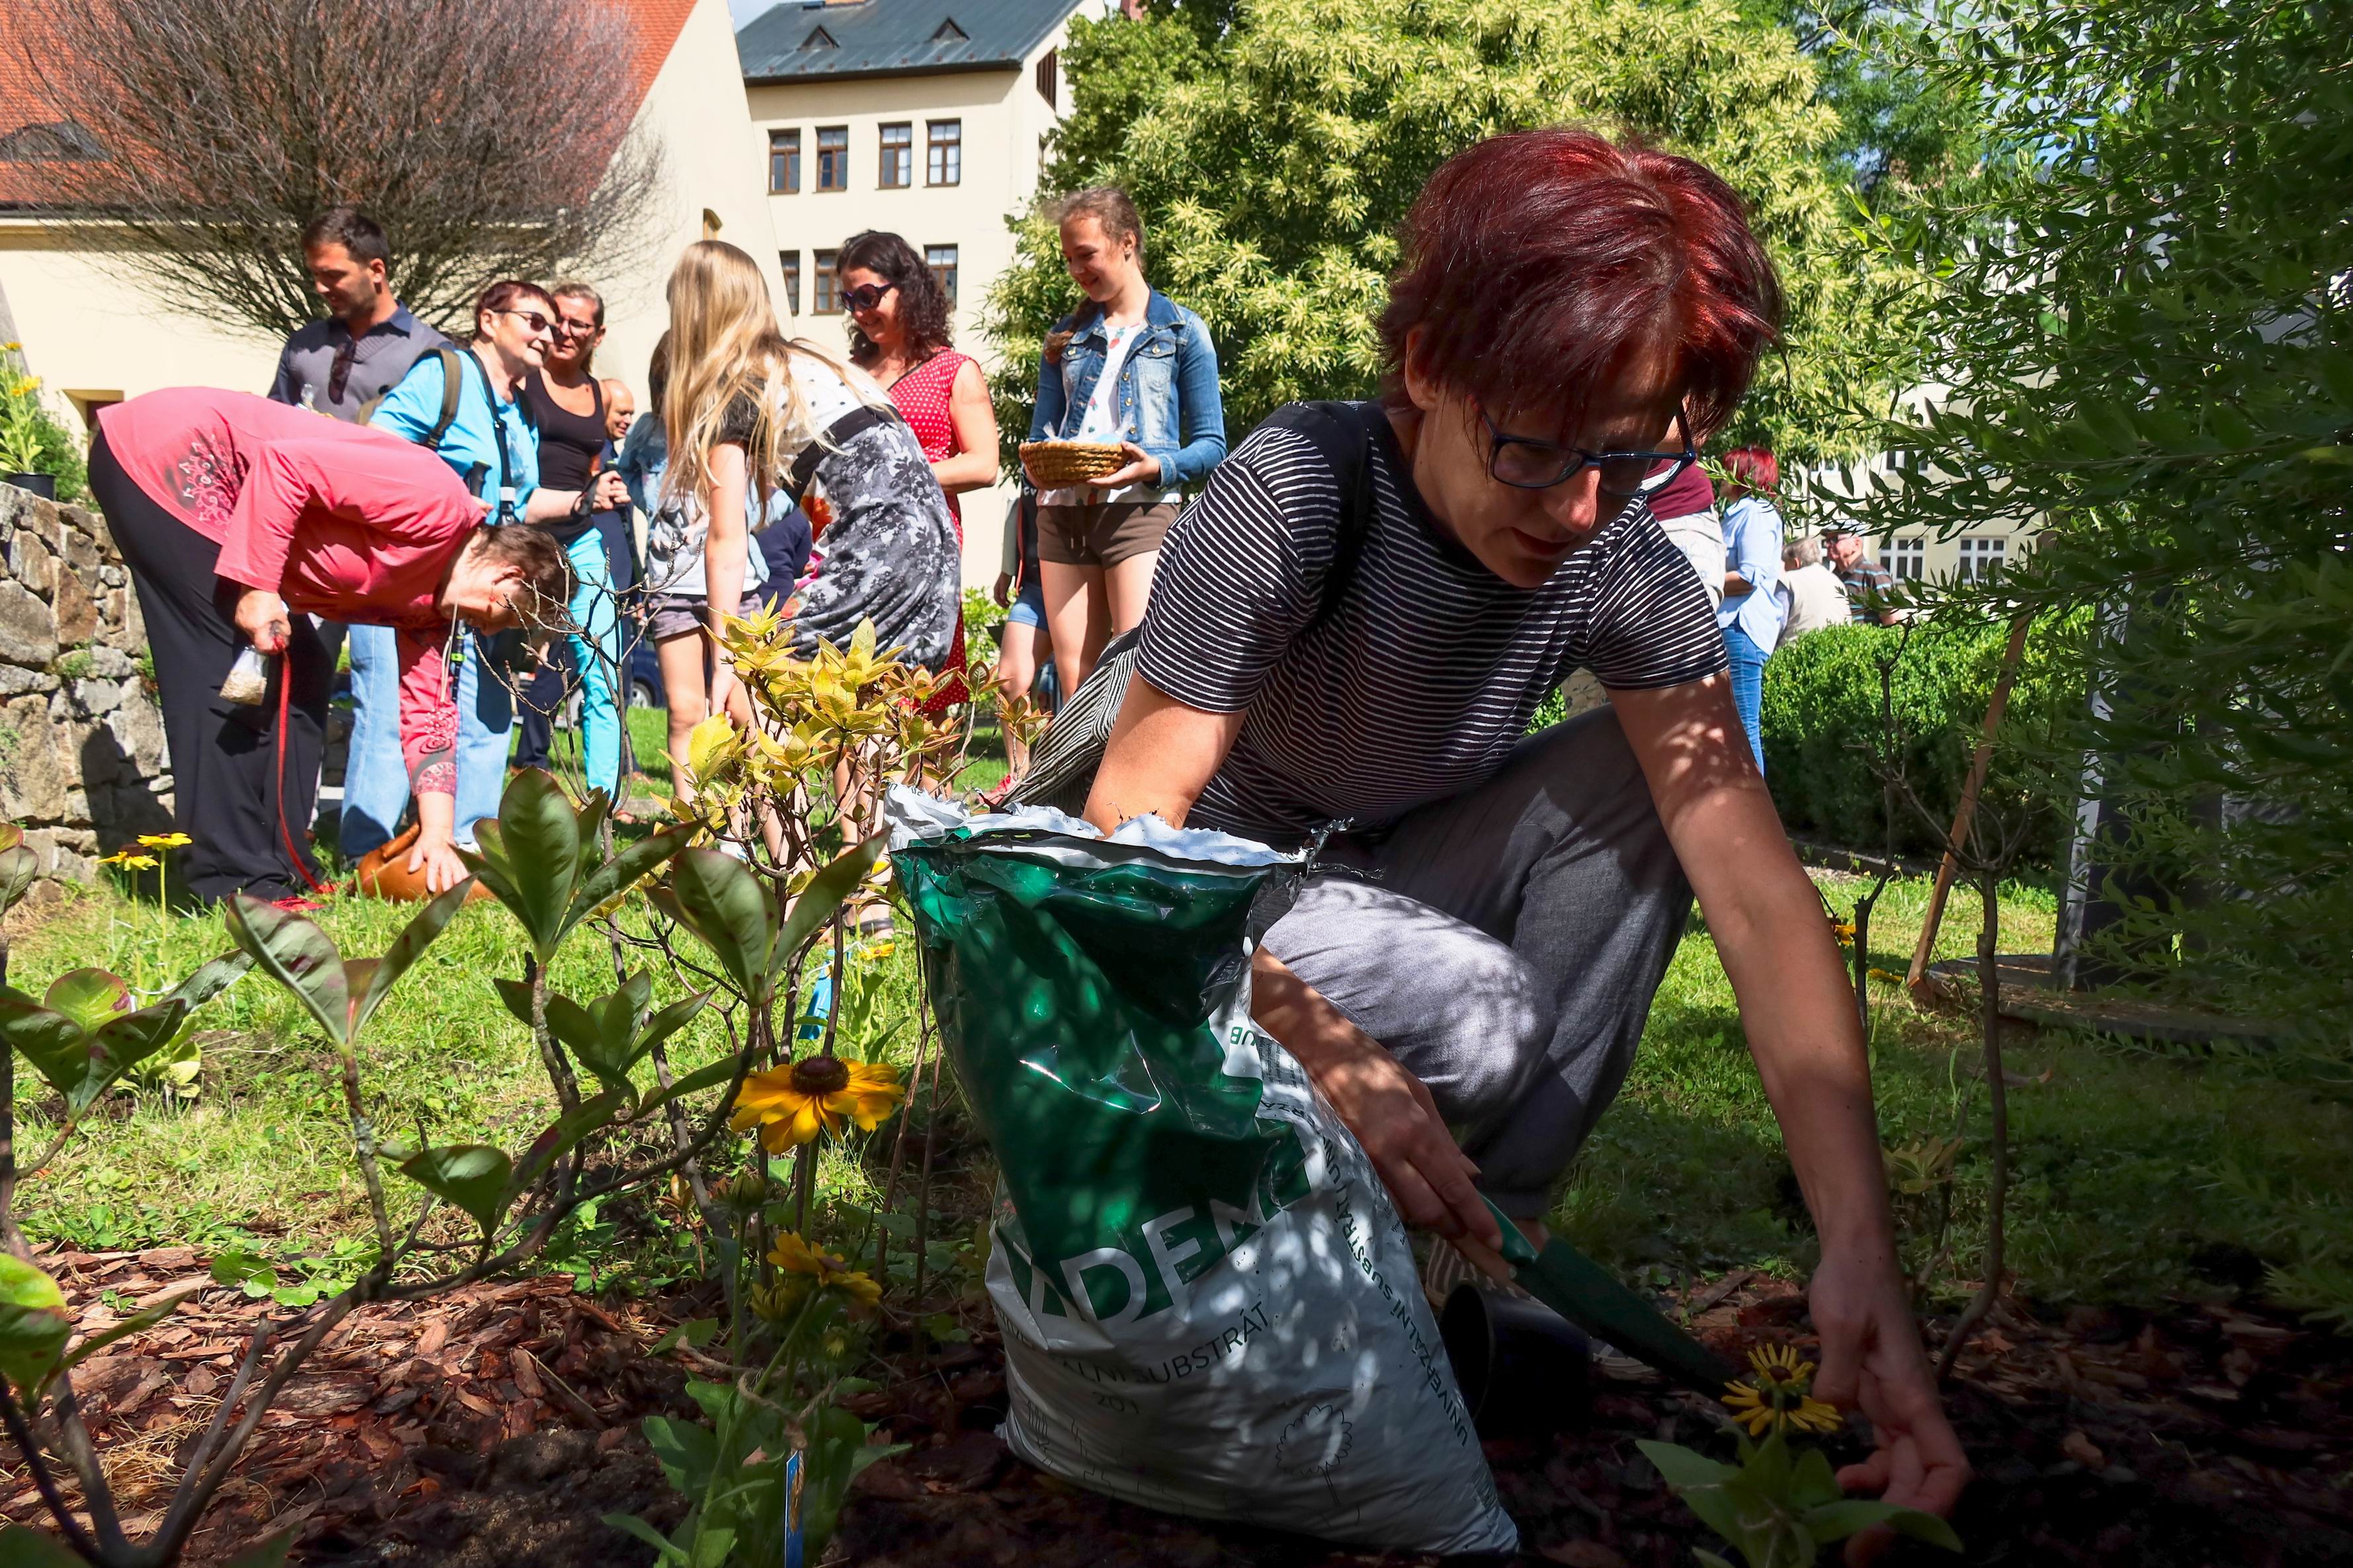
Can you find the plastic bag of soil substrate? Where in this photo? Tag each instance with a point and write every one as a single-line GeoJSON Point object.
{"type": "Point", "coordinates": [1209, 1304]}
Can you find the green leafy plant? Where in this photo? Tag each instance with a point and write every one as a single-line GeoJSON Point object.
{"type": "Point", "coordinates": [442, 1214]}
{"type": "Point", "coordinates": [1827, 739]}
{"type": "Point", "coordinates": [1776, 1508]}
{"type": "Point", "coordinates": [32, 439]}
{"type": "Point", "coordinates": [2149, 353]}
{"type": "Point", "coordinates": [777, 1457]}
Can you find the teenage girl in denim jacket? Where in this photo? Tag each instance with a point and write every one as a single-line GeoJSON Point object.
{"type": "Point", "coordinates": [1129, 367]}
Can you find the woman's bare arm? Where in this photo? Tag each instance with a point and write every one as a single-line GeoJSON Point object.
{"type": "Point", "coordinates": [1798, 1012]}
{"type": "Point", "coordinates": [1161, 755]}
{"type": "Point", "coordinates": [974, 467]}
{"type": "Point", "coordinates": [727, 553]}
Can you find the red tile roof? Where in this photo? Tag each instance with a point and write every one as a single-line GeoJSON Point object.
{"type": "Point", "coordinates": [36, 86]}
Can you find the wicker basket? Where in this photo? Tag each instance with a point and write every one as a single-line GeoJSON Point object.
{"type": "Point", "coordinates": [1055, 463]}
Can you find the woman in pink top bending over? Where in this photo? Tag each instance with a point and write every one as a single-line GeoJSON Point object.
{"type": "Point", "coordinates": [240, 519]}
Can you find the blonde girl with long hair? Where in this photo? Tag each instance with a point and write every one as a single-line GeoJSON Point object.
{"type": "Point", "coordinates": [743, 403]}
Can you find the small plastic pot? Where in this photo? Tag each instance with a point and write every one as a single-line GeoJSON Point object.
{"type": "Point", "coordinates": [1523, 1368]}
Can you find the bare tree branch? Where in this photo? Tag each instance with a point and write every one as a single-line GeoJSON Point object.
{"type": "Point", "coordinates": [490, 138]}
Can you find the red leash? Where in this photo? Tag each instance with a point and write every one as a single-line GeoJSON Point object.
{"type": "Point", "coordinates": [285, 689]}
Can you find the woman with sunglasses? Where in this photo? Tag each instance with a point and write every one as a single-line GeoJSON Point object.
{"type": "Point", "coordinates": [492, 446]}
{"type": "Point", "coordinates": [1364, 642]}
{"type": "Point", "coordinates": [899, 335]}
{"type": "Point", "coordinates": [1131, 368]}
{"type": "Point", "coordinates": [744, 404]}
{"type": "Point", "coordinates": [566, 403]}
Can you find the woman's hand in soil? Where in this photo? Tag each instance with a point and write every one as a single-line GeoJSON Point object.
{"type": "Point", "coordinates": [1872, 1361]}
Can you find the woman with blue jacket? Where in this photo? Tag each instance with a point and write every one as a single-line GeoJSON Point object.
{"type": "Point", "coordinates": [1128, 367]}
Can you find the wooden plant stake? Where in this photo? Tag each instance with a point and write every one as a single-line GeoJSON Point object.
{"type": "Point", "coordinates": [1915, 978]}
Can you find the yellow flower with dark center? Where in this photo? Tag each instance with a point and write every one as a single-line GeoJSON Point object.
{"type": "Point", "coordinates": [829, 1271]}
{"type": "Point", "coordinates": [164, 840]}
{"type": "Point", "coordinates": [127, 857]}
{"type": "Point", "coordinates": [1844, 932]}
{"type": "Point", "coordinates": [1781, 1396]}
{"type": "Point", "coordinates": [791, 1104]}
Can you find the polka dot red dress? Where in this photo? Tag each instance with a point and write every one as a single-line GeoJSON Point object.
{"type": "Point", "coordinates": [922, 396]}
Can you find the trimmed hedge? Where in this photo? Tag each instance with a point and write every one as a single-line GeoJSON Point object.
{"type": "Point", "coordinates": [1822, 727]}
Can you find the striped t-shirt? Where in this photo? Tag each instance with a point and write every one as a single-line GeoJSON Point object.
{"type": "Point", "coordinates": [1422, 675]}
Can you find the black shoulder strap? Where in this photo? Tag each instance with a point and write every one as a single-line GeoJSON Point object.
{"type": "Point", "coordinates": [855, 423]}
{"type": "Point", "coordinates": [1343, 434]}
{"type": "Point", "coordinates": [453, 387]}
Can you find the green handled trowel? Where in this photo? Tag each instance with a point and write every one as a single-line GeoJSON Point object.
{"type": "Point", "coordinates": [1580, 1290]}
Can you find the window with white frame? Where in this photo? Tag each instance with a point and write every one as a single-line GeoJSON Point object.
{"type": "Point", "coordinates": [942, 260]}
{"type": "Point", "coordinates": [783, 161]}
{"type": "Point", "coordinates": [1909, 557]}
{"type": "Point", "coordinates": [944, 152]}
{"type": "Point", "coordinates": [833, 157]}
{"type": "Point", "coordinates": [898, 168]}
{"type": "Point", "coordinates": [1981, 556]}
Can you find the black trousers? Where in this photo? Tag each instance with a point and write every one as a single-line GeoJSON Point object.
{"type": "Point", "coordinates": [225, 765]}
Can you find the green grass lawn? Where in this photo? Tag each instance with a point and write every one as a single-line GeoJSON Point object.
{"type": "Point", "coordinates": [2142, 1175]}
{"type": "Point", "coordinates": [2138, 1174]}
{"type": "Point", "coordinates": [264, 1150]}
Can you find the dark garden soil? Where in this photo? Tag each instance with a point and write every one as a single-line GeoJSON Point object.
{"type": "Point", "coordinates": [493, 1428]}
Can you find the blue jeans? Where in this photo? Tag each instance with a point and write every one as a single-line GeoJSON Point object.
{"type": "Point", "coordinates": [1748, 686]}
{"type": "Point", "coordinates": [375, 779]}
{"type": "Point", "coordinates": [597, 652]}
{"type": "Point", "coordinates": [485, 736]}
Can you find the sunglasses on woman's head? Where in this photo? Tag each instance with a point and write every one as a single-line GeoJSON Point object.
{"type": "Point", "coordinates": [1525, 463]}
{"type": "Point", "coordinates": [866, 296]}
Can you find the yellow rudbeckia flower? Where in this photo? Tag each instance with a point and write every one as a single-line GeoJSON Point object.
{"type": "Point", "coordinates": [1781, 1396]}
{"type": "Point", "coordinates": [164, 840]}
{"type": "Point", "coordinates": [794, 1103]}
{"type": "Point", "coordinates": [828, 1270]}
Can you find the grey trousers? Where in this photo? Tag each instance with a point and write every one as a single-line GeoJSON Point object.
{"type": "Point", "coordinates": [1505, 947]}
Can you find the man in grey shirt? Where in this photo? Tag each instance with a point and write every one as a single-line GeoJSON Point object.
{"type": "Point", "coordinates": [367, 340]}
{"type": "Point", "coordinates": [337, 366]}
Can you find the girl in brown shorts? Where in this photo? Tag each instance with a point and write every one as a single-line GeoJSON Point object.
{"type": "Point", "coordinates": [1130, 367]}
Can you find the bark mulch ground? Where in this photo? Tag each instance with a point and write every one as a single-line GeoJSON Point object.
{"type": "Point", "coordinates": [492, 1428]}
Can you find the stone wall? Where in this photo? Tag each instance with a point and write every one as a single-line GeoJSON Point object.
{"type": "Point", "coordinates": [82, 762]}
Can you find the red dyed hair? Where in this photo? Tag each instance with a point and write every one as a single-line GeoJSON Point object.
{"type": "Point", "coordinates": [1534, 262]}
{"type": "Point", "coordinates": [1754, 466]}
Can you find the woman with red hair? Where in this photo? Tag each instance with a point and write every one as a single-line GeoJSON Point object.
{"type": "Point", "coordinates": [1349, 631]}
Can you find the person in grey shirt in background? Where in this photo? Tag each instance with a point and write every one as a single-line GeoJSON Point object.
{"type": "Point", "coordinates": [337, 366]}
{"type": "Point", "coordinates": [367, 339]}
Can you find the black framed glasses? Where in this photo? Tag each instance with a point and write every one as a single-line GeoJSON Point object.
{"type": "Point", "coordinates": [1525, 463]}
{"type": "Point", "coordinates": [866, 296]}
{"type": "Point", "coordinates": [535, 322]}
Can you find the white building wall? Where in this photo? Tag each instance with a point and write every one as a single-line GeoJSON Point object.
{"type": "Point", "coordinates": [92, 336]}
{"type": "Point", "coordinates": [1005, 121]}
{"type": "Point", "coordinates": [1910, 553]}
{"type": "Point", "coordinates": [89, 333]}
{"type": "Point", "coordinates": [715, 164]}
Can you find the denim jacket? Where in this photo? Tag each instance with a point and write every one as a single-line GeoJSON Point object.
{"type": "Point", "coordinates": [1167, 391]}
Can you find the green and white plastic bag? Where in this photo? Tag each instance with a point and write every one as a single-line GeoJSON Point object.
{"type": "Point", "coordinates": [1209, 1304]}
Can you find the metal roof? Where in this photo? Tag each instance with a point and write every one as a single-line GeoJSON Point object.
{"type": "Point", "coordinates": [819, 40]}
